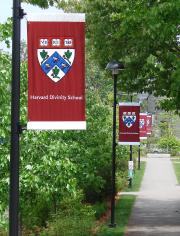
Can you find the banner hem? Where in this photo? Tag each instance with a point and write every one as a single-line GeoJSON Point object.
{"type": "Point", "coordinates": [129, 143]}
{"type": "Point", "coordinates": [56, 125]}
{"type": "Point", "coordinates": [129, 104]}
{"type": "Point", "coordinates": [62, 17]}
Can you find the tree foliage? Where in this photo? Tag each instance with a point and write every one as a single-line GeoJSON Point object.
{"type": "Point", "coordinates": [6, 32]}
{"type": "Point", "coordinates": [142, 34]}
{"type": "Point", "coordinates": [169, 143]}
{"type": "Point", "coordinates": [41, 3]}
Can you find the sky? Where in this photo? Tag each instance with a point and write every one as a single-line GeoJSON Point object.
{"type": "Point", "coordinates": [6, 11]}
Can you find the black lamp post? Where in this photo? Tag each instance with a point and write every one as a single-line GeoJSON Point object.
{"type": "Point", "coordinates": [18, 14]}
{"type": "Point", "coordinates": [114, 67]}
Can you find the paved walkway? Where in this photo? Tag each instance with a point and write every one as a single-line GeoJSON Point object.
{"type": "Point", "coordinates": [157, 208]}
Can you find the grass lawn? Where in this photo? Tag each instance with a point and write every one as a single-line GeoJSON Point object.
{"type": "Point", "coordinates": [176, 164]}
{"type": "Point", "coordinates": [124, 207]}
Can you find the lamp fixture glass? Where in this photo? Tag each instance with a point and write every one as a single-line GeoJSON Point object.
{"type": "Point", "coordinates": [115, 67]}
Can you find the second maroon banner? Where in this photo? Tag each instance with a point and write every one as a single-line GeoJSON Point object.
{"type": "Point", "coordinates": [129, 123]}
{"type": "Point", "coordinates": [142, 125]}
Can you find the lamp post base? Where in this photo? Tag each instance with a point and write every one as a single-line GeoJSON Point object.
{"type": "Point", "coordinates": [112, 225]}
{"type": "Point", "coordinates": [130, 183]}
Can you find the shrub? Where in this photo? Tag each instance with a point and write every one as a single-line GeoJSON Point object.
{"type": "Point", "coordinates": [100, 208]}
{"type": "Point", "coordinates": [74, 219]}
{"type": "Point", "coordinates": [121, 180]}
{"type": "Point", "coordinates": [3, 223]}
{"type": "Point", "coordinates": [3, 233]}
{"type": "Point", "coordinates": [170, 143]}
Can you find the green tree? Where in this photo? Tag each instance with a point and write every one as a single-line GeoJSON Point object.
{"type": "Point", "coordinates": [6, 32]}
{"type": "Point", "coordinates": [41, 3]}
{"type": "Point", "coordinates": [169, 143]}
{"type": "Point", "coordinates": [143, 34]}
{"type": "Point", "coordinates": [5, 90]}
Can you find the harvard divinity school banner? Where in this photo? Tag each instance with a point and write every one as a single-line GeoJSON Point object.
{"type": "Point", "coordinates": [149, 124]}
{"type": "Point", "coordinates": [142, 125]}
{"type": "Point", "coordinates": [129, 123]}
{"type": "Point", "coordinates": [56, 72]}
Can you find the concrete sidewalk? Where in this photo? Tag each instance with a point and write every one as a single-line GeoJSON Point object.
{"type": "Point", "coordinates": [157, 208]}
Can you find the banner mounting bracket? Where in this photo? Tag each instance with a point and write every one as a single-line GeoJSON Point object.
{"type": "Point", "coordinates": [22, 128]}
{"type": "Point", "coordinates": [21, 13]}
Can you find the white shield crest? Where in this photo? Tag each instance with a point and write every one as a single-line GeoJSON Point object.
{"type": "Point", "coordinates": [129, 119]}
{"type": "Point", "coordinates": [141, 123]}
{"type": "Point", "coordinates": [56, 63]}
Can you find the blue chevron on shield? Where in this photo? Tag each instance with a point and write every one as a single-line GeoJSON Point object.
{"type": "Point", "coordinates": [141, 123]}
{"type": "Point", "coordinates": [129, 119]}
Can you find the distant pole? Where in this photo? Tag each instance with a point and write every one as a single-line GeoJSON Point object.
{"type": "Point", "coordinates": [114, 67]}
{"type": "Point", "coordinates": [131, 158]}
{"type": "Point", "coordinates": [130, 178]}
{"type": "Point", "coordinates": [15, 126]}
{"type": "Point", "coordinates": [147, 114]}
{"type": "Point", "coordinates": [112, 224]}
{"type": "Point", "coordinates": [139, 158]}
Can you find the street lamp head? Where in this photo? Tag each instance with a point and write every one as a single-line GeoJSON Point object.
{"type": "Point", "coordinates": [115, 67]}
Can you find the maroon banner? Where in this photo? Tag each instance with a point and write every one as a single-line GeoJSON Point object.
{"type": "Point", "coordinates": [129, 123]}
{"type": "Point", "coordinates": [56, 72]}
{"type": "Point", "coordinates": [149, 124]}
{"type": "Point", "coordinates": [142, 125]}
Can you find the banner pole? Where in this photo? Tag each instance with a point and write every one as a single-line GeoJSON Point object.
{"type": "Point", "coordinates": [15, 126]}
{"type": "Point", "coordinates": [131, 158]}
{"type": "Point", "coordinates": [139, 158]}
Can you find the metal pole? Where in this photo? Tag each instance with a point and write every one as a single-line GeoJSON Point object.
{"type": "Point", "coordinates": [15, 116]}
{"type": "Point", "coordinates": [113, 224]}
{"type": "Point", "coordinates": [139, 158]}
{"type": "Point", "coordinates": [147, 114]}
{"type": "Point", "coordinates": [130, 179]}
